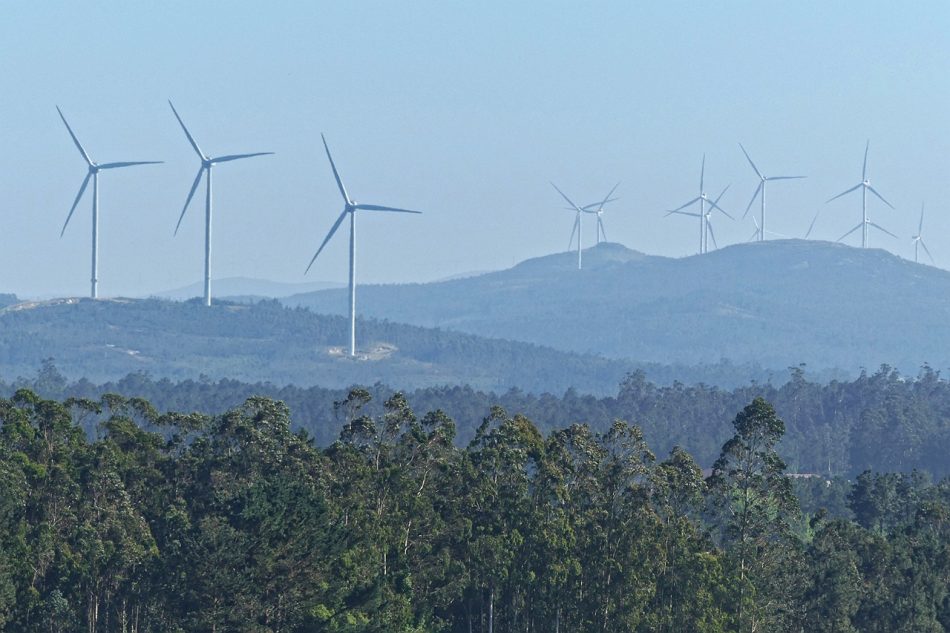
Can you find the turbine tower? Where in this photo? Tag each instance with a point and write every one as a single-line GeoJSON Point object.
{"type": "Point", "coordinates": [703, 200]}
{"type": "Point", "coordinates": [919, 239]}
{"type": "Point", "coordinates": [350, 207]}
{"type": "Point", "coordinates": [865, 186]}
{"type": "Point", "coordinates": [707, 229]}
{"type": "Point", "coordinates": [207, 162]}
{"type": "Point", "coordinates": [93, 173]}
{"type": "Point", "coordinates": [597, 208]}
{"type": "Point", "coordinates": [760, 193]}
{"type": "Point", "coordinates": [578, 225]}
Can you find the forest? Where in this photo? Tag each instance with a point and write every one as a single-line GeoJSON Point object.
{"type": "Point", "coordinates": [115, 516]}
{"type": "Point", "coordinates": [882, 421]}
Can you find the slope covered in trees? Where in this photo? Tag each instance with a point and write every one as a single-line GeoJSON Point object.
{"type": "Point", "coordinates": [775, 303]}
{"type": "Point", "coordinates": [881, 421]}
{"type": "Point", "coordinates": [233, 522]}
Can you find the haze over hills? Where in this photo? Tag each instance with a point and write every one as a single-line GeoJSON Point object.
{"type": "Point", "coordinates": [245, 287]}
{"type": "Point", "coordinates": [775, 303]}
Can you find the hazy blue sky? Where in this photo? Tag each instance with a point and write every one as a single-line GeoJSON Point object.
{"type": "Point", "coordinates": [464, 110]}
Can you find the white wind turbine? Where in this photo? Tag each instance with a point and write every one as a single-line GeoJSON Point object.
{"type": "Point", "coordinates": [578, 225]}
{"type": "Point", "coordinates": [350, 207]}
{"type": "Point", "coordinates": [919, 239]}
{"type": "Point", "coordinates": [707, 224]}
{"type": "Point", "coordinates": [594, 208]}
{"type": "Point", "coordinates": [703, 200]}
{"type": "Point", "coordinates": [760, 193]}
{"type": "Point", "coordinates": [865, 186]}
{"type": "Point", "coordinates": [93, 173]}
{"type": "Point", "coordinates": [597, 208]}
{"type": "Point", "coordinates": [207, 162]}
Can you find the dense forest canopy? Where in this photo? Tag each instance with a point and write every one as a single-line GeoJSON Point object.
{"type": "Point", "coordinates": [234, 522]}
{"type": "Point", "coordinates": [882, 421]}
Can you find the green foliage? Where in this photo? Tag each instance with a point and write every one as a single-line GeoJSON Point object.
{"type": "Point", "coordinates": [235, 522]}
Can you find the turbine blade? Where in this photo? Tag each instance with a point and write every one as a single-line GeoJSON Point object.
{"type": "Point", "coordinates": [678, 212]}
{"type": "Point", "coordinates": [336, 174]}
{"type": "Point", "coordinates": [577, 219]}
{"type": "Point", "coordinates": [230, 157]}
{"type": "Point", "coordinates": [333, 229]}
{"type": "Point", "coordinates": [851, 231]}
{"type": "Point", "coordinates": [714, 205]}
{"type": "Point", "coordinates": [881, 228]}
{"type": "Point", "coordinates": [756, 169]}
{"type": "Point", "coordinates": [75, 140]}
{"type": "Point", "coordinates": [194, 186]}
{"type": "Point", "coordinates": [874, 191]}
{"type": "Point", "coordinates": [920, 226]}
{"type": "Point", "coordinates": [82, 188]}
{"type": "Point", "coordinates": [569, 201]}
{"type": "Point", "coordinates": [130, 164]}
{"type": "Point", "coordinates": [592, 205]}
{"type": "Point", "coordinates": [607, 197]}
{"type": "Point", "coordinates": [693, 201]}
{"type": "Point", "coordinates": [812, 225]}
{"type": "Point", "coordinates": [376, 207]}
{"type": "Point", "coordinates": [187, 133]}
{"type": "Point", "coordinates": [712, 234]}
{"type": "Point", "coordinates": [927, 250]}
{"type": "Point", "coordinates": [603, 231]}
{"type": "Point", "coordinates": [702, 175]}
{"type": "Point", "coordinates": [864, 170]}
{"type": "Point", "coordinates": [754, 196]}
{"type": "Point", "coordinates": [785, 177]}
{"type": "Point", "coordinates": [857, 186]}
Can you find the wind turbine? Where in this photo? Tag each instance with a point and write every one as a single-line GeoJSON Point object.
{"type": "Point", "coordinates": [349, 207]}
{"type": "Point", "coordinates": [93, 173]}
{"type": "Point", "coordinates": [703, 200]}
{"type": "Point", "coordinates": [206, 163]}
{"type": "Point", "coordinates": [919, 238]}
{"type": "Point", "coordinates": [578, 225]}
{"type": "Point", "coordinates": [707, 228]}
{"type": "Point", "coordinates": [760, 193]}
{"type": "Point", "coordinates": [597, 208]}
{"type": "Point", "coordinates": [865, 186]}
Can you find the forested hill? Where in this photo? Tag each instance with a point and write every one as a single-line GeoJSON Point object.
{"type": "Point", "coordinates": [7, 300]}
{"type": "Point", "coordinates": [106, 339]}
{"type": "Point", "coordinates": [882, 421]}
{"type": "Point", "coordinates": [777, 303]}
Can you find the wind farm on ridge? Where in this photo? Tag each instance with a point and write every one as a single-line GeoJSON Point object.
{"type": "Point", "coordinates": [703, 208]}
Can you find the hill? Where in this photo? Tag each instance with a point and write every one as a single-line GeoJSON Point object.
{"type": "Point", "coordinates": [106, 339]}
{"type": "Point", "coordinates": [245, 288]}
{"type": "Point", "coordinates": [776, 303]}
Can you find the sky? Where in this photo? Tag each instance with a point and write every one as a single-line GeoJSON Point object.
{"type": "Point", "coordinates": [465, 111]}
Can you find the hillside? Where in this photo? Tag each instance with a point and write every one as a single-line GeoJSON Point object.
{"type": "Point", "coordinates": [777, 303]}
{"type": "Point", "coordinates": [244, 287]}
{"type": "Point", "coordinates": [106, 339]}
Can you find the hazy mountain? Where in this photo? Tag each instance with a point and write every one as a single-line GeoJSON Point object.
{"type": "Point", "coordinates": [775, 303]}
{"type": "Point", "coordinates": [7, 300]}
{"type": "Point", "coordinates": [106, 339]}
{"type": "Point", "coordinates": [245, 288]}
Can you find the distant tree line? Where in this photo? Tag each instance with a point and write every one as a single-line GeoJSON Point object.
{"type": "Point", "coordinates": [116, 517]}
{"type": "Point", "coordinates": [881, 421]}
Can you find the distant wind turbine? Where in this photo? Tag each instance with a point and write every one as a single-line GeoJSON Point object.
{"type": "Point", "coordinates": [760, 193]}
{"type": "Point", "coordinates": [703, 200]}
{"type": "Point", "coordinates": [93, 173]}
{"type": "Point", "coordinates": [597, 209]}
{"type": "Point", "coordinates": [206, 163]}
{"type": "Point", "coordinates": [708, 228]}
{"type": "Point", "coordinates": [349, 207]}
{"type": "Point", "coordinates": [865, 186]}
{"type": "Point", "coordinates": [578, 225]}
{"type": "Point", "coordinates": [919, 238]}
